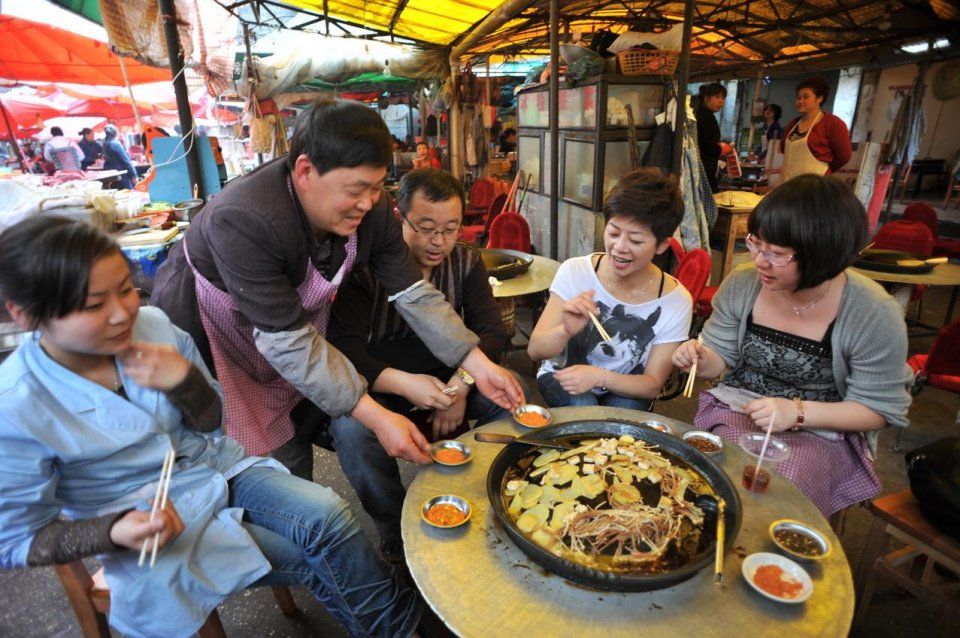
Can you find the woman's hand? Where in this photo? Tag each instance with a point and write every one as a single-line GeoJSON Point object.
{"type": "Point", "coordinates": [577, 311]}
{"type": "Point", "coordinates": [154, 366]}
{"type": "Point", "coordinates": [426, 392]}
{"type": "Point", "coordinates": [135, 527]}
{"type": "Point", "coordinates": [686, 354]}
{"type": "Point", "coordinates": [579, 379]}
{"type": "Point", "coordinates": [783, 413]}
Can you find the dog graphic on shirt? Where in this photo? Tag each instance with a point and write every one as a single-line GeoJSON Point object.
{"type": "Point", "coordinates": [630, 335]}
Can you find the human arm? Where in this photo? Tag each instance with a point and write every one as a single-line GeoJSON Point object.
{"type": "Point", "coordinates": [578, 379]}
{"type": "Point", "coordinates": [841, 149]}
{"type": "Point", "coordinates": [560, 321]}
{"type": "Point", "coordinates": [445, 421]}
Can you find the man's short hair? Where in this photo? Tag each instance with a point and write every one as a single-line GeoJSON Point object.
{"type": "Point", "coordinates": [56, 131]}
{"type": "Point", "coordinates": [341, 134]}
{"type": "Point", "coordinates": [712, 89]}
{"type": "Point", "coordinates": [434, 185]}
{"type": "Point", "coordinates": [649, 197]}
{"type": "Point", "coordinates": [819, 218]}
{"type": "Point", "coordinates": [85, 130]}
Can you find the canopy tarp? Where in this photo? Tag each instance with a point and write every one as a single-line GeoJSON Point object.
{"type": "Point", "coordinates": [89, 9]}
{"type": "Point", "coordinates": [26, 112]}
{"type": "Point", "coordinates": [33, 51]}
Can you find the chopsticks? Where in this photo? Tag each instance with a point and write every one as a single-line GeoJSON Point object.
{"type": "Point", "coordinates": [446, 392]}
{"type": "Point", "coordinates": [596, 322]}
{"type": "Point", "coordinates": [721, 533]}
{"type": "Point", "coordinates": [692, 377]}
{"type": "Point", "coordinates": [159, 502]}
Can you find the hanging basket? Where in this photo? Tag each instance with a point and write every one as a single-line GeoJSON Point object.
{"type": "Point", "coordinates": [648, 62]}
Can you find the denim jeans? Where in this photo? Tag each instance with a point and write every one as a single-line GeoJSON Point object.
{"type": "Point", "coordinates": [375, 476]}
{"type": "Point", "coordinates": [556, 397]}
{"type": "Point", "coordinates": [311, 538]}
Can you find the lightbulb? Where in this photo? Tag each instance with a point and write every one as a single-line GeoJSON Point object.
{"type": "Point", "coordinates": [386, 69]}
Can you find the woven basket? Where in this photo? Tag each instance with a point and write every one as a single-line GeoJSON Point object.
{"type": "Point", "coordinates": [647, 62]}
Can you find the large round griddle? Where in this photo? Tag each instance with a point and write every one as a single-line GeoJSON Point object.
{"type": "Point", "coordinates": [888, 261]}
{"type": "Point", "coordinates": [505, 264]}
{"type": "Point", "coordinates": [618, 581]}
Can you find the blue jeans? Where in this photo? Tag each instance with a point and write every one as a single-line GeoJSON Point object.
{"type": "Point", "coordinates": [374, 474]}
{"type": "Point", "coordinates": [556, 397]}
{"type": "Point", "coordinates": [311, 538]}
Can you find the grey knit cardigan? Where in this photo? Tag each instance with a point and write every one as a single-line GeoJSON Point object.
{"type": "Point", "coordinates": [869, 342]}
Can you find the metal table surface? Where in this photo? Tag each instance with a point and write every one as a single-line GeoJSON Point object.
{"type": "Point", "coordinates": [481, 585]}
{"type": "Point", "coordinates": [537, 279]}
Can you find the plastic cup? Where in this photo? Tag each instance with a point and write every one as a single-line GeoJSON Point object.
{"type": "Point", "coordinates": [777, 452]}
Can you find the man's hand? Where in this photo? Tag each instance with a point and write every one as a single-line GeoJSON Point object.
{"type": "Point", "coordinates": [135, 527]}
{"type": "Point", "coordinates": [425, 392]}
{"type": "Point", "coordinates": [154, 366]}
{"type": "Point", "coordinates": [496, 383]}
{"type": "Point", "coordinates": [446, 421]}
{"type": "Point", "coordinates": [580, 378]}
{"type": "Point", "coordinates": [399, 437]}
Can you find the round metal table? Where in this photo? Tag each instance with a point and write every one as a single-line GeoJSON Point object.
{"type": "Point", "coordinates": [482, 586]}
{"type": "Point", "coordinates": [537, 279]}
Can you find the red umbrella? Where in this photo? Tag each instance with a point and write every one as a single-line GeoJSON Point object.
{"type": "Point", "coordinates": [26, 111]}
{"type": "Point", "coordinates": [40, 52]}
{"type": "Point", "coordinates": [110, 109]}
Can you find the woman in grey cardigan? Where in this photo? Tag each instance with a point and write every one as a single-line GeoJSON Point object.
{"type": "Point", "coordinates": [803, 343]}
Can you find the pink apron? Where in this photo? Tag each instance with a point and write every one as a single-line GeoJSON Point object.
{"type": "Point", "coordinates": [257, 399]}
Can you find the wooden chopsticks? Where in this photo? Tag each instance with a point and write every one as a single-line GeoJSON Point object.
{"type": "Point", "coordinates": [692, 377]}
{"type": "Point", "coordinates": [596, 322]}
{"type": "Point", "coordinates": [159, 502]}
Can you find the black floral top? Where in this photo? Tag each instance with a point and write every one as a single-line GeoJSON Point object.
{"type": "Point", "coordinates": [780, 364]}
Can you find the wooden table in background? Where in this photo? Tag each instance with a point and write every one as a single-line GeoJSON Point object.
{"type": "Point", "coordinates": [482, 586]}
{"type": "Point", "coordinates": [731, 225]}
{"type": "Point", "coordinates": [942, 275]}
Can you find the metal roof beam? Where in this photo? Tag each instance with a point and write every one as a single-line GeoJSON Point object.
{"type": "Point", "coordinates": [396, 14]}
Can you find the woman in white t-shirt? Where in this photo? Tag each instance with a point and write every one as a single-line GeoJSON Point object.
{"type": "Point", "coordinates": [645, 311]}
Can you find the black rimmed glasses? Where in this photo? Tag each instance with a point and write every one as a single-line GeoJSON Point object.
{"type": "Point", "coordinates": [447, 233]}
{"type": "Point", "coordinates": [776, 259]}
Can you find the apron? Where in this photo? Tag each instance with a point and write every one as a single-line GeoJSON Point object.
{"type": "Point", "coordinates": [797, 158]}
{"type": "Point", "coordinates": [257, 400]}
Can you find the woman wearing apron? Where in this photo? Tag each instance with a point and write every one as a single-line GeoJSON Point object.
{"type": "Point", "coordinates": [255, 275]}
{"type": "Point", "coordinates": [816, 142]}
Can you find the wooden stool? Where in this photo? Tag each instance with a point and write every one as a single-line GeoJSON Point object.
{"type": "Point", "coordinates": [898, 515]}
{"type": "Point", "coordinates": [90, 598]}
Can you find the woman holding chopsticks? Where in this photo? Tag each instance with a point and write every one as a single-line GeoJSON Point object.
{"type": "Point", "coordinates": [802, 341]}
{"type": "Point", "coordinates": [614, 319]}
{"type": "Point", "coordinates": [89, 411]}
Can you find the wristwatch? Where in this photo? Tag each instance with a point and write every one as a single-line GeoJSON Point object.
{"type": "Point", "coordinates": [464, 376]}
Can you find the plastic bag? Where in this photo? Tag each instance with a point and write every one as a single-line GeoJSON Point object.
{"type": "Point", "coordinates": [934, 472]}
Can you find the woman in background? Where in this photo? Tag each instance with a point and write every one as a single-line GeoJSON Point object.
{"type": "Point", "coordinates": [816, 142]}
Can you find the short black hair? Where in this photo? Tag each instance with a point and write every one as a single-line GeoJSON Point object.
{"type": "Point", "coordinates": [85, 130]}
{"type": "Point", "coordinates": [56, 131]}
{"type": "Point", "coordinates": [712, 89]}
{"type": "Point", "coordinates": [819, 86]}
{"type": "Point", "coordinates": [341, 134]}
{"type": "Point", "coordinates": [45, 264]}
{"type": "Point", "coordinates": [648, 196]}
{"type": "Point", "coordinates": [435, 185]}
{"type": "Point", "coordinates": [777, 111]}
{"type": "Point", "coordinates": [819, 218]}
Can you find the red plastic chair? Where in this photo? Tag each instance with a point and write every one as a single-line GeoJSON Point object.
{"type": "Point", "coordinates": [677, 249]}
{"type": "Point", "coordinates": [510, 231]}
{"type": "Point", "coordinates": [693, 271]}
{"type": "Point", "coordinates": [476, 233]}
{"type": "Point", "coordinates": [907, 236]}
{"type": "Point", "coordinates": [940, 367]}
{"type": "Point", "coordinates": [481, 194]}
{"type": "Point", "coordinates": [925, 214]}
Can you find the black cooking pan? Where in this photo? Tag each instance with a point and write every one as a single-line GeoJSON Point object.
{"type": "Point", "coordinates": [893, 261]}
{"type": "Point", "coordinates": [505, 264]}
{"type": "Point", "coordinates": [679, 451]}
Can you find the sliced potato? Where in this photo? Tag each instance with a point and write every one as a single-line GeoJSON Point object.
{"type": "Point", "coordinates": [527, 522]}
{"type": "Point", "coordinates": [543, 539]}
{"type": "Point", "coordinates": [550, 495]}
{"type": "Point", "coordinates": [560, 513]}
{"type": "Point", "coordinates": [620, 494]}
{"type": "Point", "coordinates": [546, 457]}
{"type": "Point", "coordinates": [516, 505]}
{"type": "Point", "coordinates": [541, 512]}
{"type": "Point", "coordinates": [530, 495]}
{"type": "Point", "coordinates": [565, 474]}
{"type": "Point", "coordinates": [626, 439]}
{"type": "Point", "coordinates": [593, 485]}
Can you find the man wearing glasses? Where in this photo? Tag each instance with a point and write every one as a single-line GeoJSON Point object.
{"type": "Point", "coordinates": [403, 373]}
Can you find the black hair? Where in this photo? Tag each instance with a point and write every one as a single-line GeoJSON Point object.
{"type": "Point", "coordinates": [648, 196]}
{"type": "Point", "coordinates": [56, 131]}
{"type": "Point", "coordinates": [507, 132]}
{"type": "Point", "coordinates": [86, 130]}
{"type": "Point", "coordinates": [45, 264]}
{"type": "Point", "coordinates": [436, 186]}
{"type": "Point", "coordinates": [712, 89]}
{"type": "Point", "coordinates": [819, 218]}
{"type": "Point", "coordinates": [777, 111]}
{"type": "Point", "coordinates": [819, 86]}
{"type": "Point", "coordinates": [341, 134]}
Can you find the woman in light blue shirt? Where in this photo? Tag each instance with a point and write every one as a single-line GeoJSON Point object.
{"type": "Point", "coordinates": [88, 410]}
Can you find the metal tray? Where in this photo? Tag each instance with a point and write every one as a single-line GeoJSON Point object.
{"type": "Point", "coordinates": [505, 264]}
{"type": "Point", "coordinates": [600, 579]}
{"type": "Point", "coordinates": [886, 261]}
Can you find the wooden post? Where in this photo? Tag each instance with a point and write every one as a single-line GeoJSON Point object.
{"type": "Point", "coordinates": [683, 76]}
{"type": "Point", "coordinates": [554, 128]}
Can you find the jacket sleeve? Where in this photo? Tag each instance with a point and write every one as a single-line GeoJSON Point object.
{"type": "Point", "coordinates": [349, 329]}
{"type": "Point", "coordinates": [721, 333]}
{"type": "Point", "coordinates": [839, 139]}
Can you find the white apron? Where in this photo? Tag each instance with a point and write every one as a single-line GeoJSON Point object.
{"type": "Point", "coordinates": [797, 158]}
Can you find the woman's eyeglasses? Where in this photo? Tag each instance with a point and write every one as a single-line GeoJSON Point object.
{"type": "Point", "coordinates": [776, 259]}
{"type": "Point", "coordinates": [447, 233]}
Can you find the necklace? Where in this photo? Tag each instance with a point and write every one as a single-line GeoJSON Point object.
{"type": "Point", "coordinates": [611, 289]}
{"type": "Point", "coordinates": [798, 310]}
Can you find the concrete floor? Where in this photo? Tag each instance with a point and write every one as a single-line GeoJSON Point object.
{"type": "Point", "coordinates": [33, 604]}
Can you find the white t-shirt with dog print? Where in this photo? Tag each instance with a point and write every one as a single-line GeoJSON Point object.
{"type": "Point", "coordinates": [634, 328]}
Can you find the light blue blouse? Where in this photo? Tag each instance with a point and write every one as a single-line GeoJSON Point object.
{"type": "Point", "coordinates": [71, 446]}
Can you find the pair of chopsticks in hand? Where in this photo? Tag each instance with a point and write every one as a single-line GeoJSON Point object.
{"type": "Point", "coordinates": [600, 329]}
{"type": "Point", "coordinates": [446, 392]}
{"type": "Point", "coordinates": [159, 502]}
{"type": "Point", "coordinates": [692, 377]}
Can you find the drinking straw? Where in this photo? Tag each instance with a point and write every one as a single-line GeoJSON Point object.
{"type": "Point", "coordinates": [763, 448]}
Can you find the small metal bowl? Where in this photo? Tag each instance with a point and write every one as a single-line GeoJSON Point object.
{"type": "Point", "coordinates": [459, 502]}
{"type": "Point", "coordinates": [463, 448]}
{"type": "Point", "coordinates": [704, 436]}
{"type": "Point", "coordinates": [534, 409]}
{"type": "Point", "coordinates": [787, 524]}
{"type": "Point", "coordinates": [659, 426]}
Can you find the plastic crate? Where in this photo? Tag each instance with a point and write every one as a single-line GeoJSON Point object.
{"type": "Point", "coordinates": [648, 62]}
{"type": "Point", "coordinates": [144, 262]}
